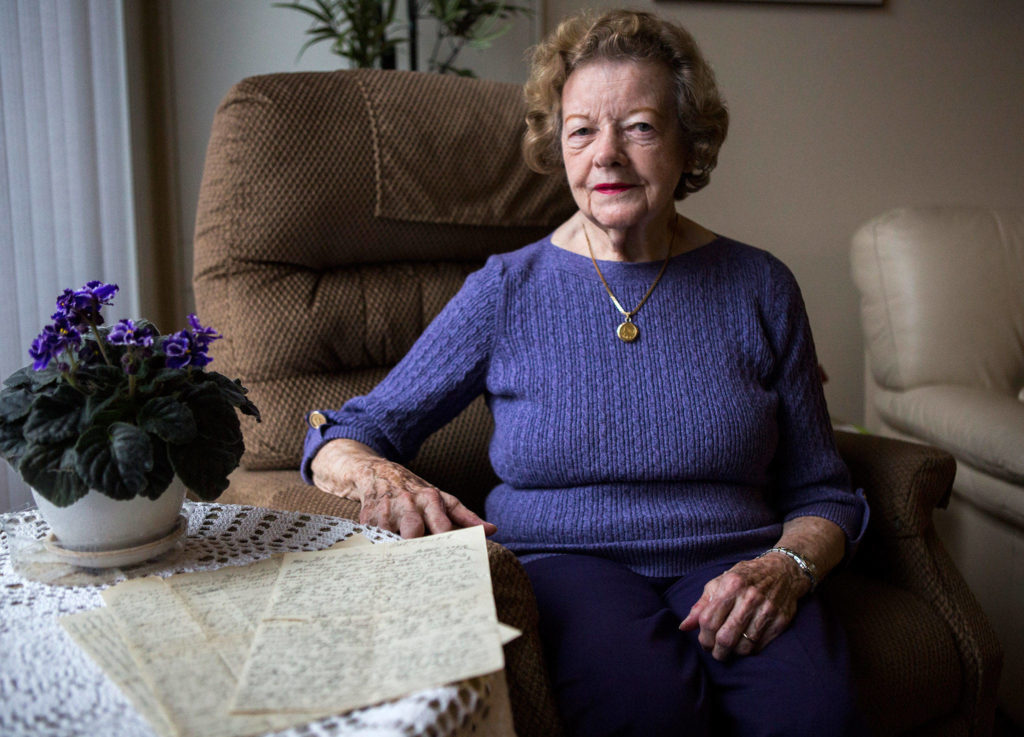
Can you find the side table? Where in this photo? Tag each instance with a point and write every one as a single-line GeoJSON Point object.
{"type": "Point", "coordinates": [50, 688]}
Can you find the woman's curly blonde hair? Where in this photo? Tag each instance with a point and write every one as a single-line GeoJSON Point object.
{"type": "Point", "coordinates": [635, 36]}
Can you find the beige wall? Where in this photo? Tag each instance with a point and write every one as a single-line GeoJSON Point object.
{"type": "Point", "coordinates": [838, 113]}
{"type": "Point", "coordinates": [841, 112]}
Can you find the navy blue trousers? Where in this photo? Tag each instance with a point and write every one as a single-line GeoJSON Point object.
{"type": "Point", "coordinates": [620, 665]}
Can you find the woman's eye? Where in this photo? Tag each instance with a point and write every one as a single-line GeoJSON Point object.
{"type": "Point", "coordinates": [580, 132]}
{"type": "Point", "coordinates": [643, 127]}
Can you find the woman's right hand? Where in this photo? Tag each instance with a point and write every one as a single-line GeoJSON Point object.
{"type": "Point", "coordinates": [392, 497]}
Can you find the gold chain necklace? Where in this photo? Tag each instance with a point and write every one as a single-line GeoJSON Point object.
{"type": "Point", "coordinates": [627, 330]}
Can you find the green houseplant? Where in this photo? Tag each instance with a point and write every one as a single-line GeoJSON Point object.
{"type": "Point", "coordinates": [120, 410]}
{"type": "Point", "coordinates": [461, 23]}
{"type": "Point", "coordinates": [358, 30]}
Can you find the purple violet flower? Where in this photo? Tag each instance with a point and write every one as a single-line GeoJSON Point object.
{"type": "Point", "coordinates": [190, 348]}
{"type": "Point", "coordinates": [202, 336]}
{"type": "Point", "coordinates": [126, 333]}
{"type": "Point", "coordinates": [53, 341]}
{"type": "Point", "coordinates": [177, 348]}
{"type": "Point", "coordinates": [137, 340]}
{"type": "Point", "coordinates": [82, 306]}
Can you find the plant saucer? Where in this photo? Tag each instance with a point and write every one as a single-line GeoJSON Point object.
{"type": "Point", "coordinates": [120, 557]}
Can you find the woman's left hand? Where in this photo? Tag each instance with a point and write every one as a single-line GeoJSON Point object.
{"type": "Point", "coordinates": [756, 598]}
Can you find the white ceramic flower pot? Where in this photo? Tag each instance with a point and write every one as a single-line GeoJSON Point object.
{"type": "Point", "coordinates": [96, 522]}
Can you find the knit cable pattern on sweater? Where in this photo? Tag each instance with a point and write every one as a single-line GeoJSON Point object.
{"type": "Point", "coordinates": [692, 444]}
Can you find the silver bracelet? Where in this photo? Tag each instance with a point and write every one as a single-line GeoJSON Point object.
{"type": "Point", "coordinates": [806, 567]}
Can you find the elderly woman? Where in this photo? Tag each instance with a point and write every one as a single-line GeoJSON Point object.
{"type": "Point", "coordinates": [669, 477]}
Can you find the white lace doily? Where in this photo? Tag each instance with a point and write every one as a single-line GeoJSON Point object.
{"type": "Point", "coordinates": [50, 688]}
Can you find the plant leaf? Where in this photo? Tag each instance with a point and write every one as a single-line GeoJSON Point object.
{"type": "Point", "coordinates": [12, 442]}
{"type": "Point", "coordinates": [204, 464]}
{"type": "Point", "coordinates": [105, 410]}
{"type": "Point", "coordinates": [43, 468]}
{"type": "Point", "coordinates": [203, 468]}
{"type": "Point", "coordinates": [165, 381]}
{"type": "Point", "coordinates": [21, 377]}
{"type": "Point", "coordinates": [54, 417]}
{"type": "Point", "coordinates": [162, 474]}
{"type": "Point", "coordinates": [168, 419]}
{"type": "Point", "coordinates": [15, 403]}
{"type": "Point", "coordinates": [133, 453]}
{"type": "Point", "coordinates": [105, 456]}
{"type": "Point", "coordinates": [234, 392]}
{"type": "Point", "coordinates": [101, 379]}
{"type": "Point", "coordinates": [49, 375]}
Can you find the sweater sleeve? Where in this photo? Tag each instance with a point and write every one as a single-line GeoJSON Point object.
{"type": "Point", "coordinates": [442, 373]}
{"type": "Point", "coordinates": [811, 478]}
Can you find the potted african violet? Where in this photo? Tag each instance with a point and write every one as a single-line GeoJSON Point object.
{"type": "Point", "coordinates": [111, 424]}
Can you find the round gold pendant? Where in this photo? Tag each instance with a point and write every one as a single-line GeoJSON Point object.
{"type": "Point", "coordinates": [627, 332]}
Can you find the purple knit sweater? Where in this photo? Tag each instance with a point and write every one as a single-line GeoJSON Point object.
{"type": "Point", "coordinates": [691, 445]}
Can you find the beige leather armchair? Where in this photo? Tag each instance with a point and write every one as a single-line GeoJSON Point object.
{"type": "Point", "coordinates": [942, 307]}
{"type": "Point", "coordinates": [340, 211]}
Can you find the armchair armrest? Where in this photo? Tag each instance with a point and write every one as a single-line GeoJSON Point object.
{"type": "Point", "coordinates": [903, 481]}
{"type": "Point", "coordinates": [529, 688]}
{"type": "Point", "coordinates": [980, 427]}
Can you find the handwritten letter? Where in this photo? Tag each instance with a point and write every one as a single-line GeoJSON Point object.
{"type": "Point", "coordinates": [309, 635]}
{"type": "Point", "coordinates": [357, 626]}
{"type": "Point", "coordinates": [184, 660]}
{"type": "Point", "coordinates": [96, 633]}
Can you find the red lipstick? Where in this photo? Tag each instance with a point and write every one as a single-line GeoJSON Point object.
{"type": "Point", "coordinates": [612, 187]}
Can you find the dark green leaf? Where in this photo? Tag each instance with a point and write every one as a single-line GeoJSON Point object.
{"type": "Point", "coordinates": [100, 465]}
{"type": "Point", "coordinates": [15, 403]}
{"type": "Point", "coordinates": [21, 377]}
{"type": "Point", "coordinates": [42, 468]}
{"type": "Point", "coordinates": [37, 466]}
{"type": "Point", "coordinates": [105, 410]}
{"type": "Point", "coordinates": [162, 474]}
{"type": "Point", "coordinates": [169, 419]}
{"type": "Point", "coordinates": [203, 465]}
{"type": "Point", "coordinates": [310, 43]}
{"type": "Point", "coordinates": [133, 453]}
{"type": "Point", "coordinates": [165, 381]}
{"type": "Point", "coordinates": [101, 379]}
{"type": "Point", "coordinates": [67, 488]}
{"type": "Point", "coordinates": [54, 417]}
{"type": "Point", "coordinates": [234, 392]}
{"type": "Point", "coordinates": [12, 442]}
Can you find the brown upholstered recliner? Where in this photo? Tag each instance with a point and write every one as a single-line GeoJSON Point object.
{"type": "Point", "coordinates": [340, 211]}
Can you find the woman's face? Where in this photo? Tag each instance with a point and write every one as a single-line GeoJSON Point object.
{"type": "Point", "coordinates": [622, 143]}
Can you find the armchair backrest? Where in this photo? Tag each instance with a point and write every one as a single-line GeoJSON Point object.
{"type": "Point", "coordinates": [338, 213]}
{"type": "Point", "coordinates": [942, 297]}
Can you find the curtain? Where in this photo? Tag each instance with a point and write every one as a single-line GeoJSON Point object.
{"type": "Point", "coordinates": [66, 211]}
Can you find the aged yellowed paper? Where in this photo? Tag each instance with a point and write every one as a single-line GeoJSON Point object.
{"type": "Point", "coordinates": [348, 628]}
{"type": "Point", "coordinates": [507, 633]}
{"type": "Point", "coordinates": [226, 604]}
{"type": "Point", "coordinates": [156, 635]}
{"type": "Point", "coordinates": [187, 668]}
{"type": "Point", "coordinates": [96, 633]}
